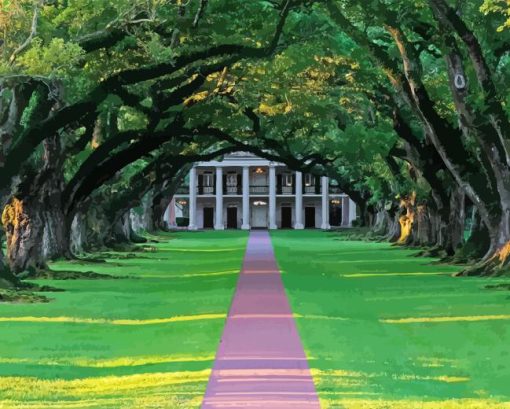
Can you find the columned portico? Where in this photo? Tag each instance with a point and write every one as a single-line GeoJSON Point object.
{"type": "Point", "coordinates": [193, 199]}
{"type": "Point", "coordinates": [325, 203]}
{"type": "Point", "coordinates": [218, 225]}
{"type": "Point", "coordinates": [272, 197]}
{"type": "Point", "coordinates": [246, 198]}
{"type": "Point", "coordinates": [299, 202]}
{"type": "Point", "coordinates": [248, 192]}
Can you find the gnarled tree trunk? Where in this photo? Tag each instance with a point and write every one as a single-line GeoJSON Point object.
{"type": "Point", "coordinates": [24, 229]}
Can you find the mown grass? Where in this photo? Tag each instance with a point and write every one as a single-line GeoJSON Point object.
{"type": "Point", "coordinates": [385, 330]}
{"type": "Point", "coordinates": [144, 341]}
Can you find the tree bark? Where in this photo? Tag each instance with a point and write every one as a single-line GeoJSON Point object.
{"type": "Point", "coordinates": [474, 125]}
{"type": "Point", "coordinates": [24, 229]}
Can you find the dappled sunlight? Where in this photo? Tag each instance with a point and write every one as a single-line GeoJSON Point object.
{"type": "Point", "coordinates": [17, 387]}
{"type": "Point", "coordinates": [327, 375]}
{"type": "Point", "coordinates": [98, 344]}
{"type": "Point", "coordinates": [369, 275]}
{"type": "Point", "coordinates": [435, 362]}
{"type": "Point", "coordinates": [153, 321]}
{"type": "Point", "coordinates": [472, 318]}
{"type": "Point", "coordinates": [320, 317]}
{"type": "Point", "coordinates": [170, 400]}
{"type": "Point", "coordinates": [330, 403]}
{"type": "Point", "coordinates": [191, 275]}
{"type": "Point", "coordinates": [109, 363]}
{"type": "Point", "coordinates": [202, 250]}
{"type": "Point", "coordinates": [375, 358]}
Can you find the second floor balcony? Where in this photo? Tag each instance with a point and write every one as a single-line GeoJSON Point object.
{"type": "Point", "coordinates": [257, 190]}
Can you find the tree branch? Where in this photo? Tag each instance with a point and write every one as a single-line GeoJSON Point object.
{"type": "Point", "coordinates": [33, 33]}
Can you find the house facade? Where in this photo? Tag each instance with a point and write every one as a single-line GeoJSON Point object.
{"type": "Point", "coordinates": [243, 191]}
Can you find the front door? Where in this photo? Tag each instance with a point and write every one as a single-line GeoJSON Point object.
{"type": "Point", "coordinates": [286, 217]}
{"type": "Point", "coordinates": [335, 214]}
{"type": "Point", "coordinates": [208, 217]}
{"type": "Point", "coordinates": [231, 217]}
{"type": "Point", "coordinates": [310, 217]}
{"type": "Point", "coordinates": [259, 217]}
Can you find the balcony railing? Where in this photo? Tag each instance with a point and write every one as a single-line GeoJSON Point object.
{"type": "Point", "coordinates": [233, 190]}
{"type": "Point", "coordinates": [261, 190]}
{"type": "Point", "coordinates": [287, 190]}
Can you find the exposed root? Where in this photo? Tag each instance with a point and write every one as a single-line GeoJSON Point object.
{"type": "Point", "coordinates": [45, 288]}
{"type": "Point", "coordinates": [8, 281]}
{"type": "Point", "coordinates": [124, 247]}
{"type": "Point", "coordinates": [10, 296]}
{"type": "Point", "coordinates": [498, 287]}
{"type": "Point", "coordinates": [433, 252]}
{"type": "Point", "coordinates": [503, 254]}
{"type": "Point", "coordinates": [147, 249]}
{"type": "Point", "coordinates": [127, 256]}
{"type": "Point", "coordinates": [87, 260]}
{"type": "Point", "coordinates": [72, 275]}
{"type": "Point", "coordinates": [135, 238]}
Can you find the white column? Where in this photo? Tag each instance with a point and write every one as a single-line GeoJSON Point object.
{"type": "Point", "coordinates": [218, 225]}
{"type": "Point", "coordinates": [272, 197]}
{"type": "Point", "coordinates": [352, 212]}
{"type": "Point", "coordinates": [325, 203]}
{"type": "Point", "coordinates": [170, 214]}
{"type": "Point", "coordinates": [299, 202]}
{"type": "Point", "coordinates": [193, 199]}
{"type": "Point", "coordinates": [345, 212]}
{"type": "Point", "coordinates": [246, 198]}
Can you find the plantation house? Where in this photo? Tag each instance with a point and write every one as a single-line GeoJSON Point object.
{"type": "Point", "coordinates": [252, 192]}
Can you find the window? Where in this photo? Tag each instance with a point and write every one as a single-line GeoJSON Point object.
{"type": "Point", "coordinates": [308, 179]}
{"type": "Point", "coordinates": [208, 179]}
{"type": "Point", "coordinates": [288, 179]}
{"type": "Point", "coordinates": [232, 180]}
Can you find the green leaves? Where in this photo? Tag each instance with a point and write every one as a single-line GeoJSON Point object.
{"type": "Point", "coordinates": [57, 59]}
{"type": "Point", "coordinates": [501, 7]}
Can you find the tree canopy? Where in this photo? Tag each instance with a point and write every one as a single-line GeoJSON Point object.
{"type": "Point", "coordinates": [104, 104]}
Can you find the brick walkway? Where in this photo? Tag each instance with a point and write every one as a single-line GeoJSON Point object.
{"type": "Point", "coordinates": [260, 362]}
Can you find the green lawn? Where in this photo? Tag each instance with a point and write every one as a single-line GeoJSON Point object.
{"type": "Point", "coordinates": [368, 317]}
{"type": "Point", "coordinates": [145, 341]}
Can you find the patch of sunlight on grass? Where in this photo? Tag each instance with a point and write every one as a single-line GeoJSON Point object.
{"type": "Point", "coordinates": [471, 318]}
{"type": "Point", "coordinates": [76, 320]}
{"type": "Point", "coordinates": [395, 260]}
{"type": "Point", "coordinates": [339, 373]}
{"type": "Point", "coordinates": [109, 363]}
{"type": "Point", "coordinates": [219, 273]}
{"type": "Point", "coordinates": [369, 275]}
{"type": "Point", "coordinates": [319, 317]}
{"type": "Point", "coordinates": [412, 404]}
{"type": "Point", "coordinates": [19, 387]}
{"type": "Point", "coordinates": [434, 362]}
{"type": "Point", "coordinates": [182, 400]}
{"type": "Point", "coordinates": [198, 250]}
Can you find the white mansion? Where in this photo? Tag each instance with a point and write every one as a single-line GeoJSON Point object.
{"type": "Point", "coordinates": [252, 192]}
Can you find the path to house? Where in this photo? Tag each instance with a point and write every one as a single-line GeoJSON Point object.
{"type": "Point", "coordinates": [260, 362]}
